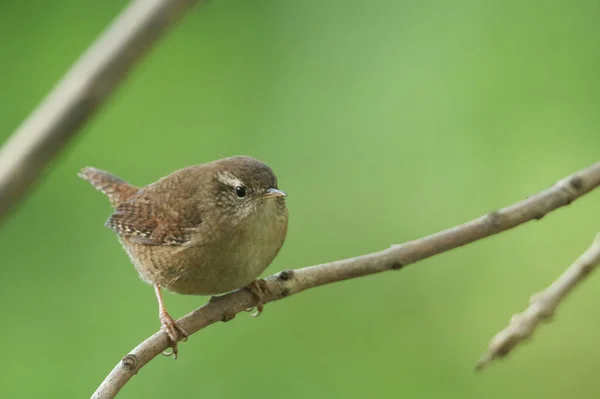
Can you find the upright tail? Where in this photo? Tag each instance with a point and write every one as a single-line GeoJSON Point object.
{"type": "Point", "coordinates": [114, 188]}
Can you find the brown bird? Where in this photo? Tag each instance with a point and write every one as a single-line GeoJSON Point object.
{"type": "Point", "coordinates": [202, 230]}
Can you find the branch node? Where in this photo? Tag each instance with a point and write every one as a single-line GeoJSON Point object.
{"type": "Point", "coordinates": [538, 214]}
{"type": "Point", "coordinates": [570, 188]}
{"type": "Point", "coordinates": [397, 265]}
{"type": "Point", "coordinates": [129, 362]}
{"type": "Point", "coordinates": [286, 275]}
{"type": "Point", "coordinates": [493, 219]}
{"type": "Point", "coordinates": [544, 304]}
{"type": "Point", "coordinates": [576, 182]}
{"type": "Point", "coordinates": [228, 315]}
{"type": "Point", "coordinates": [586, 269]}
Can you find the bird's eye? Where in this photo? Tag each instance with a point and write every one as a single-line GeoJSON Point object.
{"type": "Point", "coordinates": [240, 191]}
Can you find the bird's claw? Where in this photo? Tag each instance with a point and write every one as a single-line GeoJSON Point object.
{"type": "Point", "coordinates": [257, 288]}
{"type": "Point", "coordinates": [174, 331]}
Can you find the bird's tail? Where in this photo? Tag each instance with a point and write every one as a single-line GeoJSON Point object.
{"type": "Point", "coordinates": [114, 188]}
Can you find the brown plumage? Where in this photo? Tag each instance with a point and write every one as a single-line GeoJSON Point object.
{"type": "Point", "coordinates": [201, 230]}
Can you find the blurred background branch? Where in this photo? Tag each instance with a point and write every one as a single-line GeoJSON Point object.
{"type": "Point", "coordinates": [291, 282]}
{"type": "Point", "coordinates": [542, 306]}
{"type": "Point", "coordinates": [81, 92]}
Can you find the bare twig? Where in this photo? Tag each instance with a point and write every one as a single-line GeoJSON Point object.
{"type": "Point", "coordinates": [542, 306]}
{"type": "Point", "coordinates": [81, 91]}
{"type": "Point", "coordinates": [291, 282]}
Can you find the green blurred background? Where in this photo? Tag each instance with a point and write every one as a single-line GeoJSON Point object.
{"type": "Point", "coordinates": [385, 121]}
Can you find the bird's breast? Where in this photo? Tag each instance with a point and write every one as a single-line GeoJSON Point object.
{"type": "Point", "coordinates": [227, 260]}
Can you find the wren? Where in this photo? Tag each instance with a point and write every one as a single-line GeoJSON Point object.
{"type": "Point", "coordinates": [201, 230]}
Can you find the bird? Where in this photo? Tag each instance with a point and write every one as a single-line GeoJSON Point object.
{"type": "Point", "coordinates": [205, 229]}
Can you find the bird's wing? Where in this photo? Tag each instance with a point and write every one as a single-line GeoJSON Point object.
{"type": "Point", "coordinates": [150, 223]}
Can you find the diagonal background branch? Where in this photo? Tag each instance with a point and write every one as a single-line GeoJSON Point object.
{"type": "Point", "coordinates": [542, 306]}
{"type": "Point", "coordinates": [81, 92]}
{"type": "Point", "coordinates": [289, 282]}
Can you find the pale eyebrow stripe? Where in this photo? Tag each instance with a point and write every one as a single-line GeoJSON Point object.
{"type": "Point", "coordinates": [229, 179]}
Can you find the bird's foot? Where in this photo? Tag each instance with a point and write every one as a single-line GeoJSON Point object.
{"type": "Point", "coordinates": [173, 330]}
{"type": "Point", "coordinates": [258, 289]}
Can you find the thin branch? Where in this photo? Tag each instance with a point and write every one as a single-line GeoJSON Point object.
{"type": "Point", "coordinates": [81, 92]}
{"type": "Point", "coordinates": [291, 282]}
{"type": "Point", "coordinates": [542, 306]}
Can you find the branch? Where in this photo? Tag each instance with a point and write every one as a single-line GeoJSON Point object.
{"type": "Point", "coordinates": [289, 282]}
{"type": "Point", "coordinates": [80, 93]}
{"type": "Point", "coordinates": [542, 306]}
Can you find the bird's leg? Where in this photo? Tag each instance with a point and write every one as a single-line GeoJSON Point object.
{"type": "Point", "coordinates": [258, 288]}
{"type": "Point", "coordinates": [168, 324]}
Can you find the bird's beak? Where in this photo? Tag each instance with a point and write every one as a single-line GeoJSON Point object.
{"type": "Point", "coordinates": [274, 193]}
